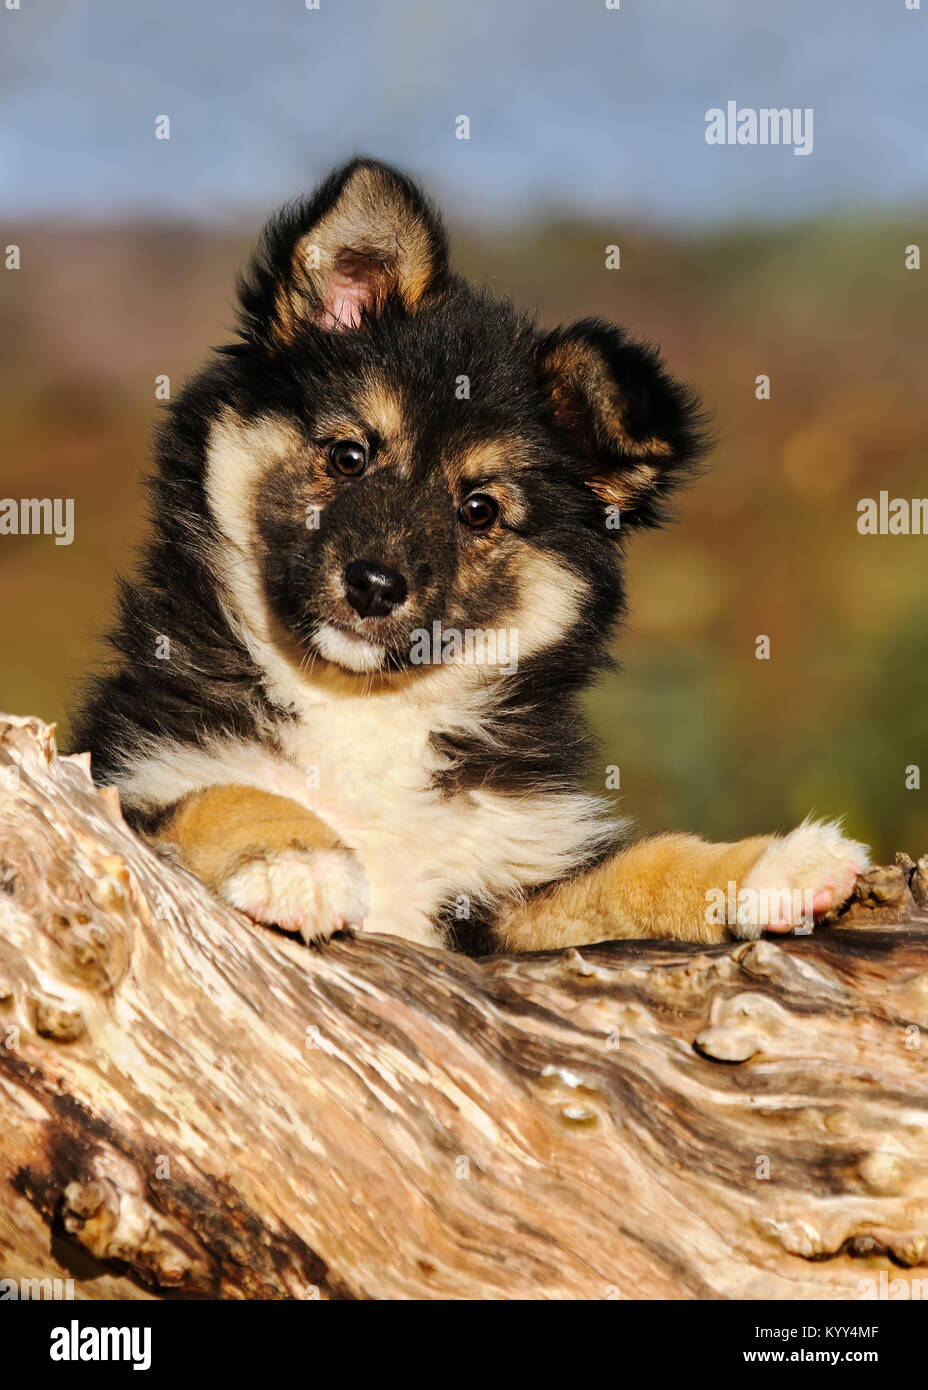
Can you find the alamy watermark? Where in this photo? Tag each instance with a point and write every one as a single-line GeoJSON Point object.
{"type": "Point", "coordinates": [38, 516]}
{"type": "Point", "coordinates": [744, 907]}
{"type": "Point", "coordinates": [898, 516]}
{"type": "Point", "coordinates": [768, 125]}
{"type": "Point", "coordinates": [884, 1289]}
{"type": "Point", "coordinates": [36, 1289]}
{"type": "Point", "coordinates": [475, 646]}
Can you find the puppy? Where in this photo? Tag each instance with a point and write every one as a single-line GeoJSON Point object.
{"type": "Point", "coordinates": [385, 560]}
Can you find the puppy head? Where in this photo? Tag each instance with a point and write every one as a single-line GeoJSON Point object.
{"type": "Point", "coordinates": [396, 450]}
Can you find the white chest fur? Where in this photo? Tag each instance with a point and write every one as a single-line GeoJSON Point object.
{"type": "Point", "coordinates": [365, 765]}
{"type": "Point", "coordinates": [368, 768]}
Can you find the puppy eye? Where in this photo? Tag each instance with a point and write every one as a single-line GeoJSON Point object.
{"type": "Point", "coordinates": [479, 511]}
{"type": "Point", "coordinates": [348, 456]}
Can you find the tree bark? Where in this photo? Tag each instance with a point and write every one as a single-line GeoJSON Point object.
{"type": "Point", "coordinates": [195, 1105]}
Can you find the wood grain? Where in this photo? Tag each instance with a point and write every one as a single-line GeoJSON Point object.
{"type": "Point", "coordinates": [196, 1106]}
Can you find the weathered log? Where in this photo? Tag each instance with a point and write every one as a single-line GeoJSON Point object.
{"type": "Point", "coordinates": [193, 1104]}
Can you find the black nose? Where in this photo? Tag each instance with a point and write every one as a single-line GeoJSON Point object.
{"type": "Point", "coordinates": [373, 589]}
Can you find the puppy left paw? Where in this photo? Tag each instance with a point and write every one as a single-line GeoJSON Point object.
{"type": "Point", "coordinates": [800, 878]}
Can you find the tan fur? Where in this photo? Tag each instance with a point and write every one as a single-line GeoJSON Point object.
{"type": "Point", "coordinates": [380, 407]}
{"type": "Point", "coordinates": [374, 408]}
{"type": "Point", "coordinates": [588, 402]}
{"type": "Point", "coordinates": [620, 490]}
{"type": "Point", "coordinates": [280, 862]}
{"type": "Point", "coordinates": [483, 460]}
{"type": "Point", "coordinates": [368, 236]}
{"type": "Point", "coordinates": [494, 467]}
{"type": "Point", "coordinates": [674, 886]}
{"type": "Point", "coordinates": [498, 457]}
{"type": "Point", "coordinates": [217, 831]}
{"type": "Point", "coordinates": [656, 888]}
{"type": "Point", "coordinates": [239, 455]}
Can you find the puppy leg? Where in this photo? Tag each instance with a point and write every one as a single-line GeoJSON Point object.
{"type": "Point", "coordinates": [671, 886]}
{"type": "Point", "coordinates": [269, 857]}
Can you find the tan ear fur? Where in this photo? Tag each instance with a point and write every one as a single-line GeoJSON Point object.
{"type": "Point", "coordinates": [370, 243]}
{"type": "Point", "coordinates": [588, 403]}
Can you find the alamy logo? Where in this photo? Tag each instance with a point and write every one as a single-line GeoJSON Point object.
{"type": "Point", "coordinates": [76, 1343]}
{"type": "Point", "coordinates": [475, 646]}
{"type": "Point", "coordinates": [770, 125]}
{"type": "Point", "coordinates": [38, 516]}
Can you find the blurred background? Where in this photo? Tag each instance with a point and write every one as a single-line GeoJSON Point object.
{"type": "Point", "coordinates": [587, 130]}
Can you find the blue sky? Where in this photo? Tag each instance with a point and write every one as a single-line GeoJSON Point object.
{"type": "Point", "coordinates": [572, 106]}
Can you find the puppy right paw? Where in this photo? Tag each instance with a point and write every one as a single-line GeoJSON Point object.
{"type": "Point", "coordinates": [800, 877]}
{"type": "Point", "coordinates": [311, 891]}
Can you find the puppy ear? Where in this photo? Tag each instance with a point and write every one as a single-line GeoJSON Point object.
{"type": "Point", "coordinates": [639, 430]}
{"type": "Point", "coordinates": [332, 259]}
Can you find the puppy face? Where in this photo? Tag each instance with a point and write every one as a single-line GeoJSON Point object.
{"type": "Point", "coordinates": [399, 454]}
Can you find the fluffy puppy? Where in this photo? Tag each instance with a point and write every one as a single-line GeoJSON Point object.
{"type": "Point", "coordinates": [385, 559]}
